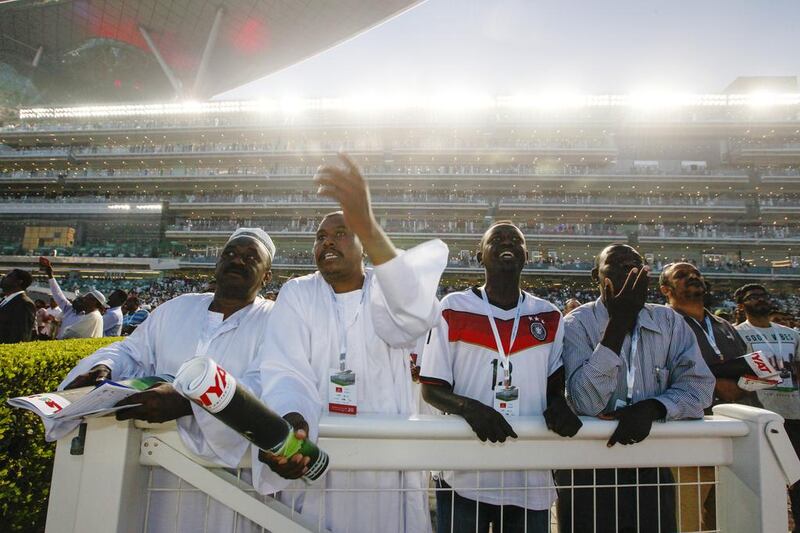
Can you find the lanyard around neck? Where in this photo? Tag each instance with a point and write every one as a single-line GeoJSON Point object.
{"type": "Point", "coordinates": [504, 357]}
{"type": "Point", "coordinates": [631, 374]}
{"type": "Point", "coordinates": [709, 332]}
{"type": "Point", "coordinates": [777, 355]}
{"type": "Point", "coordinates": [337, 311]}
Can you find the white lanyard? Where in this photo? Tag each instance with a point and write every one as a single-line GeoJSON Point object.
{"type": "Point", "coordinates": [709, 331]}
{"type": "Point", "coordinates": [631, 376]}
{"type": "Point", "coordinates": [341, 325]}
{"type": "Point", "coordinates": [514, 329]}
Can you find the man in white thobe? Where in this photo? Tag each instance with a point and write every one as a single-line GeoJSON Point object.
{"type": "Point", "coordinates": [228, 326]}
{"type": "Point", "coordinates": [71, 312]}
{"type": "Point", "coordinates": [90, 324]}
{"type": "Point", "coordinates": [351, 329]}
{"type": "Point", "coordinates": [112, 319]}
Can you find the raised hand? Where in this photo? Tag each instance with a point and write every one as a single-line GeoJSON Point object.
{"type": "Point", "coordinates": [46, 266]}
{"type": "Point", "coordinates": [345, 184]}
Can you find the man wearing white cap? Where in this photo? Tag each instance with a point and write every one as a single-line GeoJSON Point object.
{"type": "Point", "coordinates": [229, 327]}
{"type": "Point", "coordinates": [90, 324]}
{"type": "Point", "coordinates": [350, 329]}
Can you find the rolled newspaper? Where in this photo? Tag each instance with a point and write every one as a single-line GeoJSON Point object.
{"type": "Point", "coordinates": [204, 382]}
{"type": "Point", "coordinates": [763, 374]}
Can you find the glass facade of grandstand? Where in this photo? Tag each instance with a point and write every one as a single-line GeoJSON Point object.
{"type": "Point", "coordinates": [718, 185]}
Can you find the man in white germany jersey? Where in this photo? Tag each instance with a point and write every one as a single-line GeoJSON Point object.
{"type": "Point", "coordinates": [780, 344]}
{"type": "Point", "coordinates": [350, 330]}
{"type": "Point", "coordinates": [496, 355]}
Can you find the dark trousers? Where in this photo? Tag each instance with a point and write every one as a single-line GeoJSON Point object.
{"type": "Point", "coordinates": [616, 509]}
{"type": "Point", "coordinates": [469, 516]}
{"type": "Point", "coordinates": [793, 431]}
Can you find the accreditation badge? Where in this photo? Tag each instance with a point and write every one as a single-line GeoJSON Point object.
{"type": "Point", "coordinates": [506, 401]}
{"type": "Point", "coordinates": [342, 392]}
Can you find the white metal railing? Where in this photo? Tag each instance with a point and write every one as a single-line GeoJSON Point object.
{"type": "Point", "coordinates": [106, 489]}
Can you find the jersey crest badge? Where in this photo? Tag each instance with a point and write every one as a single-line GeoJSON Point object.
{"type": "Point", "coordinates": [538, 330]}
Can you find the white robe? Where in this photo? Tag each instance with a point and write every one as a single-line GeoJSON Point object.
{"type": "Point", "coordinates": [89, 326]}
{"type": "Point", "coordinates": [400, 306]}
{"type": "Point", "coordinates": [173, 334]}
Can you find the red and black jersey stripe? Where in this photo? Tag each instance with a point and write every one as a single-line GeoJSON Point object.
{"type": "Point", "coordinates": [474, 328]}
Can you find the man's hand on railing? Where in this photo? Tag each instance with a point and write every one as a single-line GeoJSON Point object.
{"type": "Point", "coordinates": [561, 419]}
{"type": "Point", "coordinates": [289, 467]}
{"type": "Point", "coordinates": [635, 421]}
{"type": "Point", "coordinates": [486, 422]}
{"type": "Point", "coordinates": [160, 403]}
{"type": "Point", "coordinates": [93, 377]}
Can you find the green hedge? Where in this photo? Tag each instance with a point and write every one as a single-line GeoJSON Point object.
{"type": "Point", "coordinates": [26, 460]}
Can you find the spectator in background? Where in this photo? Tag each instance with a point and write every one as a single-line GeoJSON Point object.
{"type": "Point", "coordinates": [683, 286]}
{"type": "Point", "coordinates": [782, 346]}
{"type": "Point", "coordinates": [112, 319]}
{"type": "Point", "coordinates": [90, 324]}
{"type": "Point", "coordinates": [571, 305]}
{"type": "Point", "coordinates": [71, 312]}
{"type": "Point", "coordinates": [782, 318]}
{"type": "Point", "coordinates": [135, 314]}
{"type": "Point", "coordinates": [55, 318]}
{"type": "Point", "coordinates": [17, 310]}
{"type": "Point", "coordinates": [43, 319]}
{"type": "Point", "coordinates": [636, 363]}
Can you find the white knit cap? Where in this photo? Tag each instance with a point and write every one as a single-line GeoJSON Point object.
{"type": "Point", "coordinates": [258, 235]}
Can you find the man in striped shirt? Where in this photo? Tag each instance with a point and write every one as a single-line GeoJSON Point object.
{"type": "Point", "coordinates": [633, 362]}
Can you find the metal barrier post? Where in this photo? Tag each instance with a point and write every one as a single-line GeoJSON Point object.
{"type": "Point", "coordinates": [103, 490]}
{"type": "Point", "coordinates": [752, 490]}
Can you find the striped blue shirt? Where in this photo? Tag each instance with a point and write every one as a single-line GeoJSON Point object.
{"type": "Point", "coordinates": [669, 365]}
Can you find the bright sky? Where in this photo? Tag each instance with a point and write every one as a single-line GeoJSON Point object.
{"type": "Point", "coordinates": [504, 47]}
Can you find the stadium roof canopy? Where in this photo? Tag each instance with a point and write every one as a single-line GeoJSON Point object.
{"type": "Point", "coordinates": [122, 50]}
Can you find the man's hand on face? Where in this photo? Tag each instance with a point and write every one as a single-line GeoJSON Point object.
{"type": "Point", "coordinates": [289, 467]}
{"type": "Point", "coordinates": [486, 422]}
{"type": "Point", "coordinates": [635, 421]}
{"type": "Point", "coordinates": [345, 184]}
{"type": "Point", "coordinates": [159, 403]}
{"type": "Point", "coordinates": [624, 306]}
{"type": "Point", "coordinates": [92, 378]}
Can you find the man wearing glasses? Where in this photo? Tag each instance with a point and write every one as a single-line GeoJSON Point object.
{"type": "Point", "coordinates": [780, 344]}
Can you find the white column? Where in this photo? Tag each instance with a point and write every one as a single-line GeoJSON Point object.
{"type": "Point", "coordinates": [751, 495]}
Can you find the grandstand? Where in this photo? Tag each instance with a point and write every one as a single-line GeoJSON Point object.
{"type": "Point", "coordinates": [713, 179]}
{"type": "Point", "coordinates": [144, 50]}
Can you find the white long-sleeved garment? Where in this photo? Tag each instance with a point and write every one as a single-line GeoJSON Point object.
{"type": "Point", "coordinates": [175, 332]}
{"type": "Point", "coordinates": [399, 306]}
